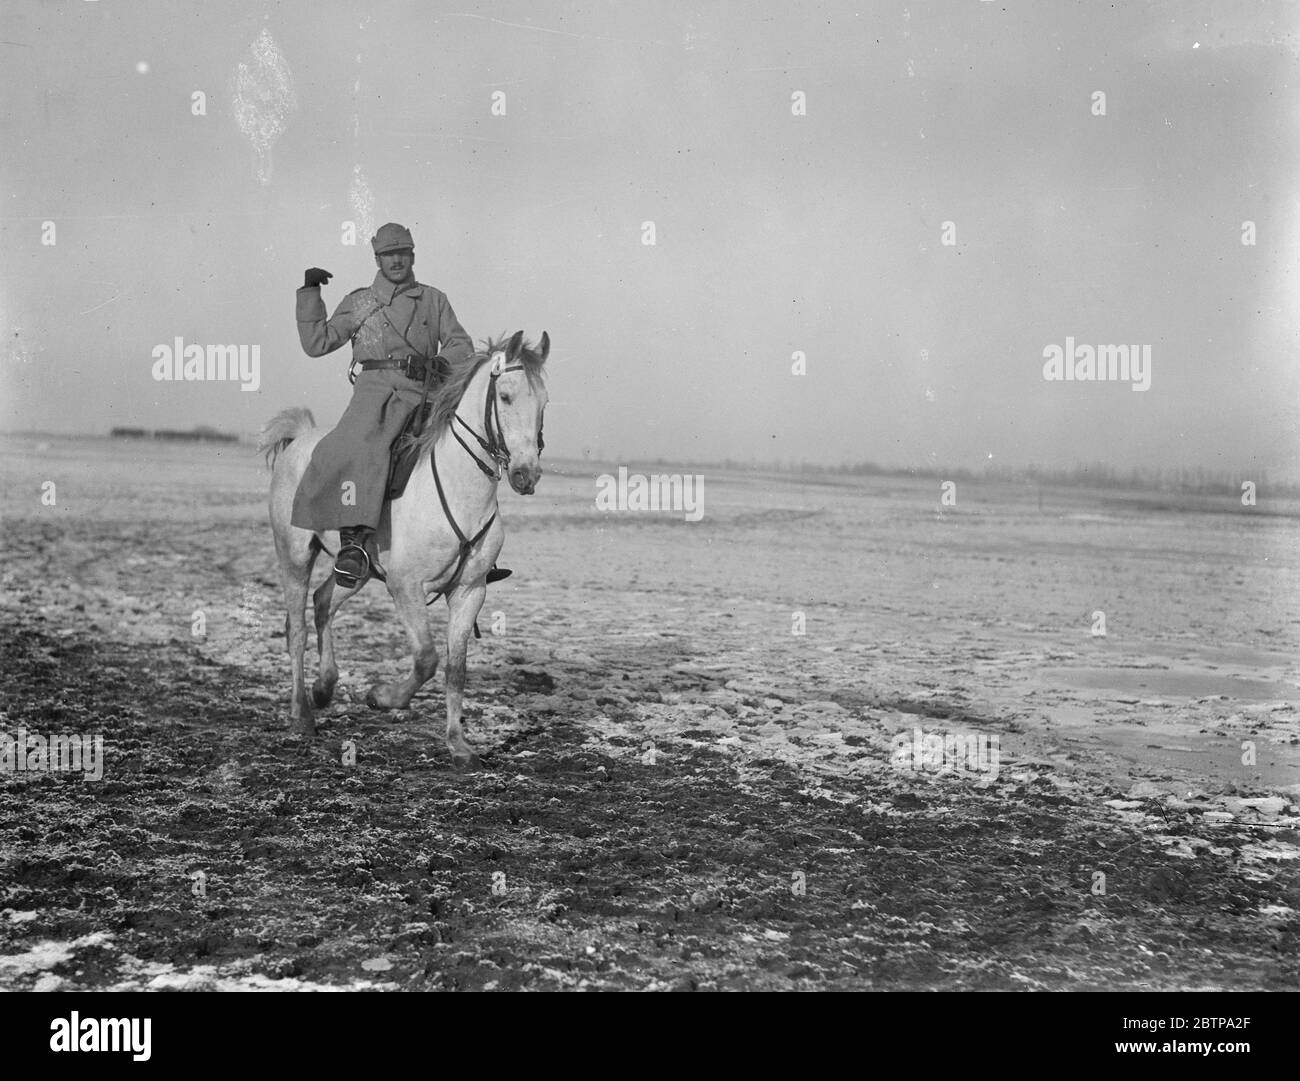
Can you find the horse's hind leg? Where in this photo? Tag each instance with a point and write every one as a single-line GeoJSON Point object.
{"type": "Point", "coordinates": [326, 601]}
{"type": "Point", "coordinates": [424, 653]}
{"type": "Point", "coordinates": [296, 562]}
{"type": "Point", "coordinates": [322, 691]}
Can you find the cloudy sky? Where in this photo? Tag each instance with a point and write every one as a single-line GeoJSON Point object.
{"type": "Point", "coordinates": [774, 232]}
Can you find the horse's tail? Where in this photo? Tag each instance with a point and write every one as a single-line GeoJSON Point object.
{"type": "Point", "coordinates": [282, 429]}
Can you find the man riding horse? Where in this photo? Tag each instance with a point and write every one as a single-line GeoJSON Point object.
{"type": "Point", "coordinates": [405, 339]}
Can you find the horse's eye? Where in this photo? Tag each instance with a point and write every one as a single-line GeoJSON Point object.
{"type": "Point", "coordinates": [505, 399]}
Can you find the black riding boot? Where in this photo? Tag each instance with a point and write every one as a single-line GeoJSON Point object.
{"type": "Point", "coordinates": [497, 573]}
{"type": "Point", "coordinates": [358, 558]}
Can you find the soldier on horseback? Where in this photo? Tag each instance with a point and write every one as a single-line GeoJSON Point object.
{"type": "Point", "coordinates": [405, 339]}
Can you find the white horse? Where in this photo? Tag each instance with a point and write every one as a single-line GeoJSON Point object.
{"type": "Point", "coordinates": [439, 537]}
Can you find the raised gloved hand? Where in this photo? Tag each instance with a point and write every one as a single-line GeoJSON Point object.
{"type": "Point", "coordinates": [316, 276]}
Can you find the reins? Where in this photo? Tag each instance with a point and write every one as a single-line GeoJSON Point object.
{"type": "Point", "coordinates": [493, 443]}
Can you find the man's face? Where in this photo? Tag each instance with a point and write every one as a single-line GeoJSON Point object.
{"type": "Point", "coordinates": [396, 265]}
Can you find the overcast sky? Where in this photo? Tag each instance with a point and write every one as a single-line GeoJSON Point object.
{"type": "Point", "coordinates": [775, 232]}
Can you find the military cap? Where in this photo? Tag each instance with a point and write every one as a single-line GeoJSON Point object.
{"type": "Point", "coordinates": [391, 237]}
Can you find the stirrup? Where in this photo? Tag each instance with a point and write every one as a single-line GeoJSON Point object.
{"type": "Point", "coordinates": [345, 578]}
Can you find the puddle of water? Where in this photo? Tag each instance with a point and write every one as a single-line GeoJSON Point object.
{"type": "Point", "coordinates": [1240, 656]}
{"type": "Point", "coordinates": [1200, 759]}
{"type": "Point", "coordinates": [1173, 683]}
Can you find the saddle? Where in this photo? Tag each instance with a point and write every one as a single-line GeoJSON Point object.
{"type": "Point", "coordinates": [404, 453]}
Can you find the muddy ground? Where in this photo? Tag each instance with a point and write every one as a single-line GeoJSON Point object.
{"type": "Point", "coordinates": [680, 791]}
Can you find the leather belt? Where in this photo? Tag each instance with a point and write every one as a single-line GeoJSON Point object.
{"type": "Point", "coordinates": [412, 367]}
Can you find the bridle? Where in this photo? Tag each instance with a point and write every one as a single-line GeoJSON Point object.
{"type": "Point", "coordinates": [493, 442]}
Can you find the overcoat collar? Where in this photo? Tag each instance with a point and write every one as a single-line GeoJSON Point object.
{"type": "Point", "coordinates": [386, 291]}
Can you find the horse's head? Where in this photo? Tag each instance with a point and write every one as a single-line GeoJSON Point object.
{"type": "Point", "coordinates": [518, 407]}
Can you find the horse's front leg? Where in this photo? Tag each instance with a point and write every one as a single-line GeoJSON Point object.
{"type": "Point", "coordinates": [464, 605]}
{"type": "Point", "coordinates": [415, 616]}
{"type": "Point", "coordinates": [324, 604]}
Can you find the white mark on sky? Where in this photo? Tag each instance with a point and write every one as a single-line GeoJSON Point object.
{"type": "Point", "coordinates": [263, 97]}
{"type": "Point", "coordinates": [105, 303]}
{"type": "Point", "coordinates": [363, 202]}
{"type": "Point", "coordinates": [360, 197]}
{"type": "Point", "coordinates": [548, 30]}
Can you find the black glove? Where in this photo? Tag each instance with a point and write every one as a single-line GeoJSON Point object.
{"type": "Point", "coordinates": [316, 276]}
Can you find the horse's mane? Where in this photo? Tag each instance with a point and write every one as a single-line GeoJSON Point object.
{"type": "Point", "coordinates": [445, 398]}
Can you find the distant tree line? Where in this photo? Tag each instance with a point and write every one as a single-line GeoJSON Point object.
{"type": "Point", "coordinates": [201, 434]}
{"type": "Point", "coordinates": [1191, 479]}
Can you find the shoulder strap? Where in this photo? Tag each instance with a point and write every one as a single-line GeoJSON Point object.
{"type": "Point", "coordinates": [379, 307]}
{"type": "Point", "coordinates": [418, 352]}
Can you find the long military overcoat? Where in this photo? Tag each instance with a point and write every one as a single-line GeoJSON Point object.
{"type": "Point", "coordinates": [344, 483]}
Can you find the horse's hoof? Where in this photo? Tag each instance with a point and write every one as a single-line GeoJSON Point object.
{"type": "Point", "coordinates": [302, 721]}
{"type": "Point", "coordinates": [322, 694]}
{"type": "Point", "coordinates": [372, 700]}
{"type": "Point", "coordinates": [465, 763]}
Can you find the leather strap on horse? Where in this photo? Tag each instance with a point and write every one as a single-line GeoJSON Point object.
{"type": "Point", "coordinates": [494, 445]}
{"type": "Point", "coordinates": [493, 440]}
{"type": "Point", "coordinates": [487, 470]}
{"type": "Point", "coordinates": [466, 543]}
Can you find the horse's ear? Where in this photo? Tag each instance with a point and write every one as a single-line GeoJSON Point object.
{"type": "Point", "coordinates": [546, 346]}
{"type": "Point", "coordinates": [516, 343]}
